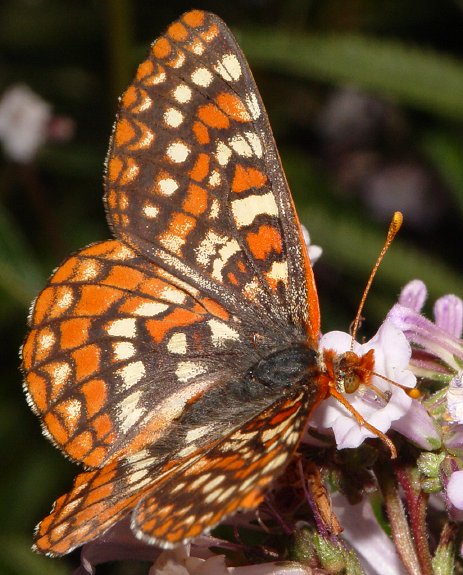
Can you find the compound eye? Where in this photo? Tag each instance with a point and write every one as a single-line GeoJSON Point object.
{"type": "Point", "coordinates": [351, 382]}
{"type": "Point", "coordinates": [348, 365]}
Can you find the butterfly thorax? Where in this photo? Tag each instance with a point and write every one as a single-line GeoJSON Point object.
{"type": "Point", "coordinates": [285, 368]}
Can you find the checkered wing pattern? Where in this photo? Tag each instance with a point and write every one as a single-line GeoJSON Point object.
{"type": "Point", "coordinates": [118, 348]}
{"type": "Point", "coordinates": [187, 494]}
{"type": "Point", "coordinates": [194, 180]}
{"type": "Point", "coordinates": [140, 357]}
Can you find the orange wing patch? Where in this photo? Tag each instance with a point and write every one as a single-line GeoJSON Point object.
{"type": "Point", "coordinates": [265, 241]}
{"type": "Point", "coordinates": [246, 178]}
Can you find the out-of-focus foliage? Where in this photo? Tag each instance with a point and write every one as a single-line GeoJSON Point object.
{"type": "Point", "coordinates": [366, 101]}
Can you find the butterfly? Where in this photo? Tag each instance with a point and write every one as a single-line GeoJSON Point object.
{"type": "Point", "coordinates": [178, 362]}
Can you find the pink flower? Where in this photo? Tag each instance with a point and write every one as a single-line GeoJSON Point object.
{"type": "Point", "coordinates": [362, 531]}
{"type": "Point", "coordinates": [418, 426]}
{"type": "Point", "coordinates": [182, 561]}
{"type": "Point", "coordinates": [24, 118]}
{"type": "Point", "coordinates": [455, 489]}
{"type": "Point", "coordinates": [455, 398]}
{"type": "Point", "coordinates": [392, 353]}
{"type": "Point", "coordinates": [439, 351]}
{"type": "Point", "coordinates": [314, 251]}
{"type": "Point", "coordinates": [26, 123]}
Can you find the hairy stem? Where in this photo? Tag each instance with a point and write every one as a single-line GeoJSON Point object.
{"type": "Point", "coordinates": [416, 501]}
{"type": "Point", "coordinates": [399, 525]}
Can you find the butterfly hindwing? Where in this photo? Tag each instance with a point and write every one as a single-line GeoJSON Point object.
{"type": "Point", "coordinates": [118, 347]}
{"type": "Point", "coordinates": [176, 497]}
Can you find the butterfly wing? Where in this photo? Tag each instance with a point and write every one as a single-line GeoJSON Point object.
{"type": "Point", "coordinates": [183, 494]}
{"type": "Point", "coordinates": [231, 476]}
{"type": "Point", "coordinates": [194, 180]}
{"type": "Point", "coordinates": [118, 348]}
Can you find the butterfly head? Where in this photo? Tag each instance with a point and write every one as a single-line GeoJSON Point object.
{"type": "Point", "coordinates": [346, 373]}
{"type": "Point", "coordinates": [352, 370]}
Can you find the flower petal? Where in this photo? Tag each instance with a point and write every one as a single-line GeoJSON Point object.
{"type": "Point", "coordinates": [363, 532]}
{"type": "Point", "coordinates": [417, 425]}
{"type": "Point", "coordinates": [422, 332]}
{"type": "Point", "coordinates": [448, 313]}
{"type": "Point", "coordinates": [413, 295]}
{"type": "Point", "coordinates": [392, 354]}
{"type": "Point", "coordinates": [455, 398]}
{"type": "Point", "coordinates": [455, 489]}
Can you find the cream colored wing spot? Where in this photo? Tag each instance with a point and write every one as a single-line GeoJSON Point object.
{"type": "Point", "coordinates": [255, 143]}
{"type": "Point", "coordinates": [214, 179]}
{"type": "Point", "coordinates": [123, 350]}
{"type": "Point", "coordinates": [221, 332]}
{"type": "Point", "coordinates": [178, 152]}
{"type": "Point", "coordinates": [61, 374]}
{"type": "Point", "coordinates": [246, 210]}
{"type": "Point", "coordinates": [278, 272]}
{"type": "Point", "coordinates": [167, 186]}
{"type": "Point", "coordinates": [202, 77]}
{"type": "Point", "coordinates": [151, 309]}
{"type": "Point", "coordinates": [173, 117]}
{"type": "Point", "coordinates": [229, 68]}
{"type": "Point", "coordinates": [182, 93]}
{"type": "Point", "coordinates": [177, 343]}
{"type": "Point", "coordinates": [131, 374]}
{"type": "Point", "coordinates": [253, 105]}
{"type": "Point", "coordinates": [223, 153]}
{"type": "Point", "coordinates": [126, 327]}
{"type": "Point", "coordinates": [150, 211]}
{"type": "Point", "coordinates": [46, 341]}
{"type": "Point", "coordinates": [129, 413]}
{"type": "Point", "coordinates": [187, 370]}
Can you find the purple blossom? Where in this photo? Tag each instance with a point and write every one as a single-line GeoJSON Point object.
{"type": "Point", "coordinates": [438, 356]}
{"type": "Point", "coordinates": [24, 118]}
{"type": "Point", "coordinates": [418, 426]}
{"type": "Point", "coordinates": [392, 354]}
{"type": "Point", "coordinates": [362, 531]}
{"type": "Point", "coordinates": [27, 122]}
{"type": "Point", "coordinates": [315, 252]}
{"type": "Point", "coordinates": [455, 398]}
{"type": "Point", "coordinates": [455, 489]}
{"type": "Point", "coordinates": [438, 350]}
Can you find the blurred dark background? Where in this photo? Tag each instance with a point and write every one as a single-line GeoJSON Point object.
{"type": "Point", "coordinates": [366, 101]}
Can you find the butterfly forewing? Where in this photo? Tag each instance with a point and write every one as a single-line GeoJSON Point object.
{"type": "Point", "coordinates": [194, 180]}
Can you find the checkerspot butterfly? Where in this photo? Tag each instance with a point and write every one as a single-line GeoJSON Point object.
{"type": "Point", "coordinates": [178, 362]}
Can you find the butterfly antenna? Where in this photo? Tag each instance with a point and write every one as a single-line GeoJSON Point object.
{"type": "Point", "coordinates": [394, 227]}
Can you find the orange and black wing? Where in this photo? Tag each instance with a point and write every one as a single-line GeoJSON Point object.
{"type": "Point", "coordinates": [194, 180]}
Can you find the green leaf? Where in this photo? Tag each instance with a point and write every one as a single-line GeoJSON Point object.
{"type": "Point", "coordinates": [18, 559]}
{"type": "Point", "coordinates": [412, 75]}
{"type": "Point", "coordinates": [20, 276]}
{"type": "Point", "coordinates": [355, 245]}
{"type": "Point", "coordinates": [446, 152]}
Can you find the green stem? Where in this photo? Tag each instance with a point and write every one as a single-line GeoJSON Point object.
{"type": "Point", "coordinates": [399, 526]}
{"type": "Point", "coordinates": [120, 41]}
{"type": "Point", "coordinates": [416, 501]}
{"type": "Point", "coordinates": [443, 561]}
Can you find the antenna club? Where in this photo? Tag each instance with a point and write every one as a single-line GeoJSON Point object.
{"type": "Point", "coordinates": [396, 224]}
